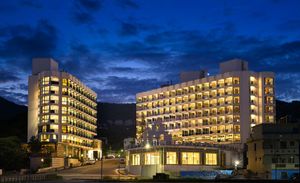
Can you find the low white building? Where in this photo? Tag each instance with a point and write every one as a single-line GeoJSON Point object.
{"type": "Point", "coordinates": [178, 160]}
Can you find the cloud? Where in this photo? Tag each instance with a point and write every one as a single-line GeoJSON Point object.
{"type": "Point", "coordinates": [7, 76]}
{"type": "Point", "coordinates": [127, 4]}
{"type": "Point", "coordinates": [290, 25]}
{"type": "Point", "coordinates": [15, 93]}
{"type": "Point", "coordinates": [83, 17]}
{"type": "Point", "coordinates": [83, 11]}
{"type": "Point", "coordinates": [122, 69]}
{"type": "Point", "coordinates": [133, 28]}
{"type": "Point", "coordinates": [81, 61]}
{"type": "Point", "coordinates": [31, 4]}
{"type": "Point", "coordinates": [128, 29]}
{"type": "Point", "coordinates": [123, 89]}
{"type": "Point", "coordinates": [22, 42]}
{"type": "Point", "coordinates": [90, 5]}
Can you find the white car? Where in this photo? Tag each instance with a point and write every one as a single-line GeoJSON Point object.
{"type": "Point", "coordinates": [90, 162]}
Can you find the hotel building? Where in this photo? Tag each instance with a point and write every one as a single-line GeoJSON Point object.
{"type": "Point", "coordinates": [62, 110]}
{"type": "Point", "coordinates": [219, 109]}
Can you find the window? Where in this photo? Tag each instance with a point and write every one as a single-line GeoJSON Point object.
{"type": "Point", "coordinates": [151, 158]}
{"type": "Point", "coordinates": [211, 158]}
{"type": "Point", "coordinates": [46, 80]}
{"type": "Point", "coordinates": [190, 158]}
{"type": "Point", "coordinates": [236, 80]}
{"type": "Point", "coordinates": [64, 82]}
{"type": "Point", "coordinates": [268, 81]}
{"type": "Point", "coordinates": [171, 158]}
{"type": "Point", "coordinates": [135, 159]}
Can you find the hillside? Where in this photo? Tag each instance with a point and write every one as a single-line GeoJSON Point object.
{"type": "Point", "coordinates": [13, 120]}
{"type": "Point", "coordinates": [116, 122]}
{"type": "Point", "coordinates": [290, 109]}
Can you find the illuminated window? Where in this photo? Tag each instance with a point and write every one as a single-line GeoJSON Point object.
{"type": "Point", "coordinates": [171, 158]}
{"type": "Point", "coordinates": [269, 81]}
{"type": "Point", "coordinates": [46, 80]}
{"type": "Point", "coordinates": [236, 80]}
{"type": "Point", "coordinates": [64, 129]}
{"type": "Point", "coordinates": [151, 158]}
{"type": "Point", "coordinates": [135, 159]}
{"type": "Point", "coordinates": [211, 158]}
{"type": "Point", "coordinates": [190, 158]}
{"type": "Point", "coordinates": [64, 82]}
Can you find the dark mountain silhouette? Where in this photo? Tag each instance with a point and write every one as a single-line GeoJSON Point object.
{"type": "Point", "coordinates": [115, 121]}
{"type": "Point", "coordinates": [13, 120]}
{"type": "Point", "coordinates": [291, 110]}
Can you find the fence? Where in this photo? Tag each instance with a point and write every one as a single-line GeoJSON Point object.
{"type": "Point", "coordinates": [27, 178]}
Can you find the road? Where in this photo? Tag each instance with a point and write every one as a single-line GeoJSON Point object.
{"type": "Point", "coordinates": [93, 171]}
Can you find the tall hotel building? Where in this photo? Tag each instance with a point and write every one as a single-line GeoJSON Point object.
{"type": "Point", "coordinates": [218, 109]}
{"type": "Point", "coordinates": [61, 110]}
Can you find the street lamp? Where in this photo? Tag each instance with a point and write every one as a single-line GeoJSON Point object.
{"type": "Point", "coordinates": [236, 163]}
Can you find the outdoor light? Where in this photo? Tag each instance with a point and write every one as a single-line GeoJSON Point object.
{"type": "Point", "coordinates": [81, 155]}
{"type": "Point", "coordinates": [42, 160]}
{"type": "Point", "coordinates": [147, 146]}
{"type": "Point", "coordinates": [236, 163]}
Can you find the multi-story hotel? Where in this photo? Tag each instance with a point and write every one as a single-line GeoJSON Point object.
{"type": "Point", "coordinates": [62, 110]}
{"type": "Point", "coordinates": [219, 109]}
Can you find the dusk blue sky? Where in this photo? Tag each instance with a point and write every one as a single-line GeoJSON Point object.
{"type": "Point", "coordinates": [121, 47]}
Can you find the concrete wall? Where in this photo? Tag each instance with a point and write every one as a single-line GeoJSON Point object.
{"type": "Point", "coordinates": [58, 162]}
{"type": "Point", "coordinates": [32, 125]}
{"type": "Point", "coordinates": [43, 64]}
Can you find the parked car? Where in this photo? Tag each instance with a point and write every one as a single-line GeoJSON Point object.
{"type": "Point", "coordinates": [89, 162]}
{"type": "Point", "coordinates": [110, 156]}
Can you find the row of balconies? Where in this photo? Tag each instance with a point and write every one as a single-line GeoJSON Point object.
{"type": "Point", "coordinates": [81, 117]}
{"type": "Point", "coordinates": [197, 107]}
{"type": "Point", "coordinates": [178, 126]}
{"type": "Point", "coordinates": [219, 132]}
{"type": "Point", "coordinates": [80, 134]}
{"type": "Point", "coordinates": [80, 125]}
{"type": "Point", "coordinates": [205, 122]}
{"type": "Point", "coordinates": [75, 88]}
{"type": "Point", "coordinates": [77, 143]}
{"type": "Point", "coordinates": [81, 91]}
{"type": "Point", "coordinates": [185, 93]}
{"type": "Point", "coordinates": [74, 119]}
{"type": "Point", "coordinates": [71, 90]}
{"type": "Point", "coordinates": [80, 99]}
{"type": "Point", "coordinates": [90, 112]}
{"type": "Point", "coordinates": [198, 114]}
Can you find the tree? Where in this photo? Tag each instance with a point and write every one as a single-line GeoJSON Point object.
{"type": "Point", "coordinates": [12, 155]}
{"type": "Point", "coordinates": [35, 146]}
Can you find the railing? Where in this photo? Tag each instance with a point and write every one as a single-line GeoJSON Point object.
{"type": "Point", "coordinates": [28, 178]}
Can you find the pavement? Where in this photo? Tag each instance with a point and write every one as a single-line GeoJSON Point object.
{"type": "Point", "coordinates": [93, 172]}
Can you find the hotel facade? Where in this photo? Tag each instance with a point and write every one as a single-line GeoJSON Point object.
{"type": "Point", "coordinates": [62, 111]}
{"type": "Point", "coordinates": [219, 109]}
